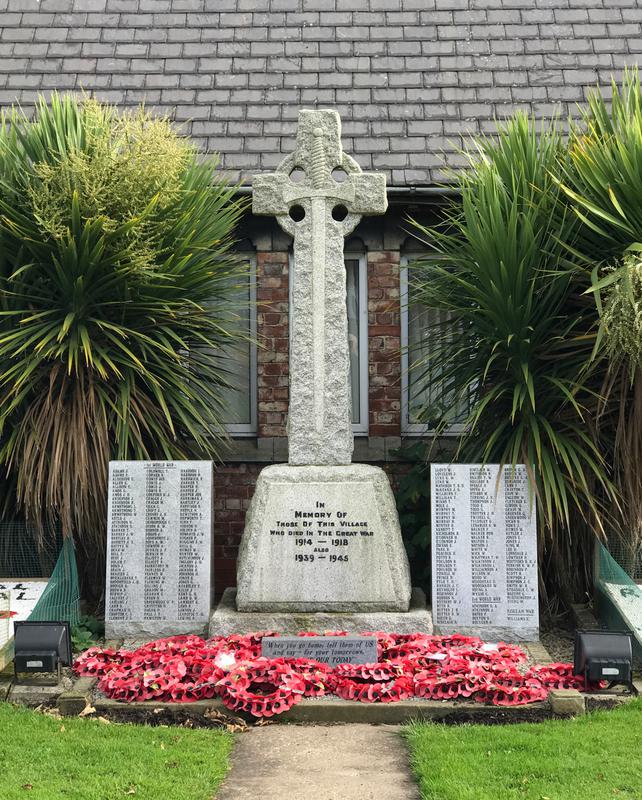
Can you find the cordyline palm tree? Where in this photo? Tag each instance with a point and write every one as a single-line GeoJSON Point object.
{"type": "Point", "coordinates": [516, 344]}
{"type": "Point", "coordinates": [115, 318]}
{"type": "Point", "coordinates": [602, 179]}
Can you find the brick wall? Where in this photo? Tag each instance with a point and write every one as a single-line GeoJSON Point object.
{"type": "Point", "coordinates": [233, 489]}
{"type": "Point", "coordinates": [384, 343]}
{"type": "Point", "coordinates": [272, 323]}
{"type": "Point", "coordinates": [234, 482]}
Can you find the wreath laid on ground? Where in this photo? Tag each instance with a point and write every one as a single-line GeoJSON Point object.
{"type": "Point", "coordinates": [182, 669]}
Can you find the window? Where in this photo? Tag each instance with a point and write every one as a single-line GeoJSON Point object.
{"type": "Point", "coordinates": [416, 325]}
{"type": "Point", "coordinates": [357, 301]}
{"type": "Point", "coordinates": [357, 306]}
{"type": "Point", "coordinates": [241, 399]}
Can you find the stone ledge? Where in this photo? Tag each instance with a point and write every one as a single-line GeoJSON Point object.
{"type": "Point", "coordinates": [226, 620]}
{"type": "Point", "coordinates": [584, 617]}
{"type": "Point", "coordinates": [539, 654]}
{"type": "Point", "coordinates": [148, 630]}
{"type": "Point", "coordinates": [73, 701]}
{"type": "Point", "coordinates": [330, 710]}
{"type": "Point", "coordinates": [35, 694]}
{"type": "Point", "coordinates": [567, 702]}
{"type": "Point", "coordinates": [491, 634]}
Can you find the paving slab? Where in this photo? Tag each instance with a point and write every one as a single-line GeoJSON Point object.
{"type": "Point", "coordinates": [320, 762]}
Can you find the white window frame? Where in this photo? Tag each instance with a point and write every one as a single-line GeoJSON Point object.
{"type": "Point", "coordinates": [413, 428]}
{"type": "Point", "coordinates": [358, 428]}
{"type": "Point", "coordinates": [239, 430]}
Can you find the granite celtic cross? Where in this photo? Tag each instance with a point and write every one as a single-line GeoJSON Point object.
{"type": "Point", "coordinates": [319, 211]}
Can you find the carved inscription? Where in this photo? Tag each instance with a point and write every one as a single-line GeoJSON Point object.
{"type": "Point", "coordinates": [159, 540]}
{"type": "Point", "coordinates": [331, 650]}
{"type": "Point", "coordinates": [320, 533]}
{"type": "Point", "coordinates": [484, 550]}
{"type": "Point", "coordinates": [320, 542]}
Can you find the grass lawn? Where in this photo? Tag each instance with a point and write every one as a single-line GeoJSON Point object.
{"type": "Point", "coordinates": [589, 758]}
{"type": "Point", "coordinates": [42, 758]}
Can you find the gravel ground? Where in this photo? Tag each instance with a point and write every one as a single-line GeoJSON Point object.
{"type": "Point", "coordinates": [558, 639]}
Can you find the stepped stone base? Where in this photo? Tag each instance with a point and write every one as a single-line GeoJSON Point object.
{"type": "Point", "coordinates": [226, 620]}
{"type": "Point", "coordinates": [147, 630]}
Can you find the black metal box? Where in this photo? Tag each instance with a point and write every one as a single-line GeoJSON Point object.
{"type": "Point", "coordinates": [39, 640]}
{"type": "Point", "coordinates": [604, 656]}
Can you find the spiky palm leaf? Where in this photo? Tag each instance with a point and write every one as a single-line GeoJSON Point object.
{"type": "Point", "coordinates": [115, 316]}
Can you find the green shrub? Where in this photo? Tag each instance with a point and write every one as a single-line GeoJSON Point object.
{"type": "Point", "coordinates": [115, 317]}
{"type": "Point", "coordinates": [412, 495]}
{"type": "Point", "coordinates": [603, 180]}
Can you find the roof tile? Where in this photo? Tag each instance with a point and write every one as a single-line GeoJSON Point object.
{"type": "Point", "coordinates": [409, 77]}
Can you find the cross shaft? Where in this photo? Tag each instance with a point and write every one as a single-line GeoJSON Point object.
{"type": "Point", "coordinates": [319, 419]}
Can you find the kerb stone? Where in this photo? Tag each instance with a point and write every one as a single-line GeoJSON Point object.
{"type": "Point", "coordinates": [567, 702]}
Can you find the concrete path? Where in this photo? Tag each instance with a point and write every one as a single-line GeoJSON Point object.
{"type": "Point", "coordinates": [320, 762]}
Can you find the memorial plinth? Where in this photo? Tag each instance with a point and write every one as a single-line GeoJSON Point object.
{"type": "Point", "coordinates": [159, 537]}
{"type": "Point", "coordinates": [322, 539]}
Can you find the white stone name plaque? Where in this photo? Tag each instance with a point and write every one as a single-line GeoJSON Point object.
{"type": "Point", "coordinates": [484, 552]}
{"type": "Point", "coordinates": [331, 650]}
{"type": "Point", "coordinates": [159, 548]}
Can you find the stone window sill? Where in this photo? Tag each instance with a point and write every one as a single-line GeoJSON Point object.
{"type": "Point", "coordinates": [271, 450]}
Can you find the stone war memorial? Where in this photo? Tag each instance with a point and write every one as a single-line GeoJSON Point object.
{"type": "Point", "coordinates": [320, 399]}
{"type": "Point", "coordinates": [324, 604]}
{"type": "Point", "coordinates": [322, 546]}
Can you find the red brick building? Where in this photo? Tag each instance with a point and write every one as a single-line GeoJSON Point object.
{"type": "Point", "coordinates": [409, 78]}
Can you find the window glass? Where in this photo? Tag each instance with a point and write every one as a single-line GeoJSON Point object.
{"type": "Point", "coordinates": [425, 401]}
{"type": "Point", "coordinates": [241, 360]}
{"type": "Point", "coordinates": [433, 398]}
{"type": "Point", "coordinates": [352, 299]}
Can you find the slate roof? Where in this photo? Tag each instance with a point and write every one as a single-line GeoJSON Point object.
{"type": "Point", "coordinates": [408, 77]}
